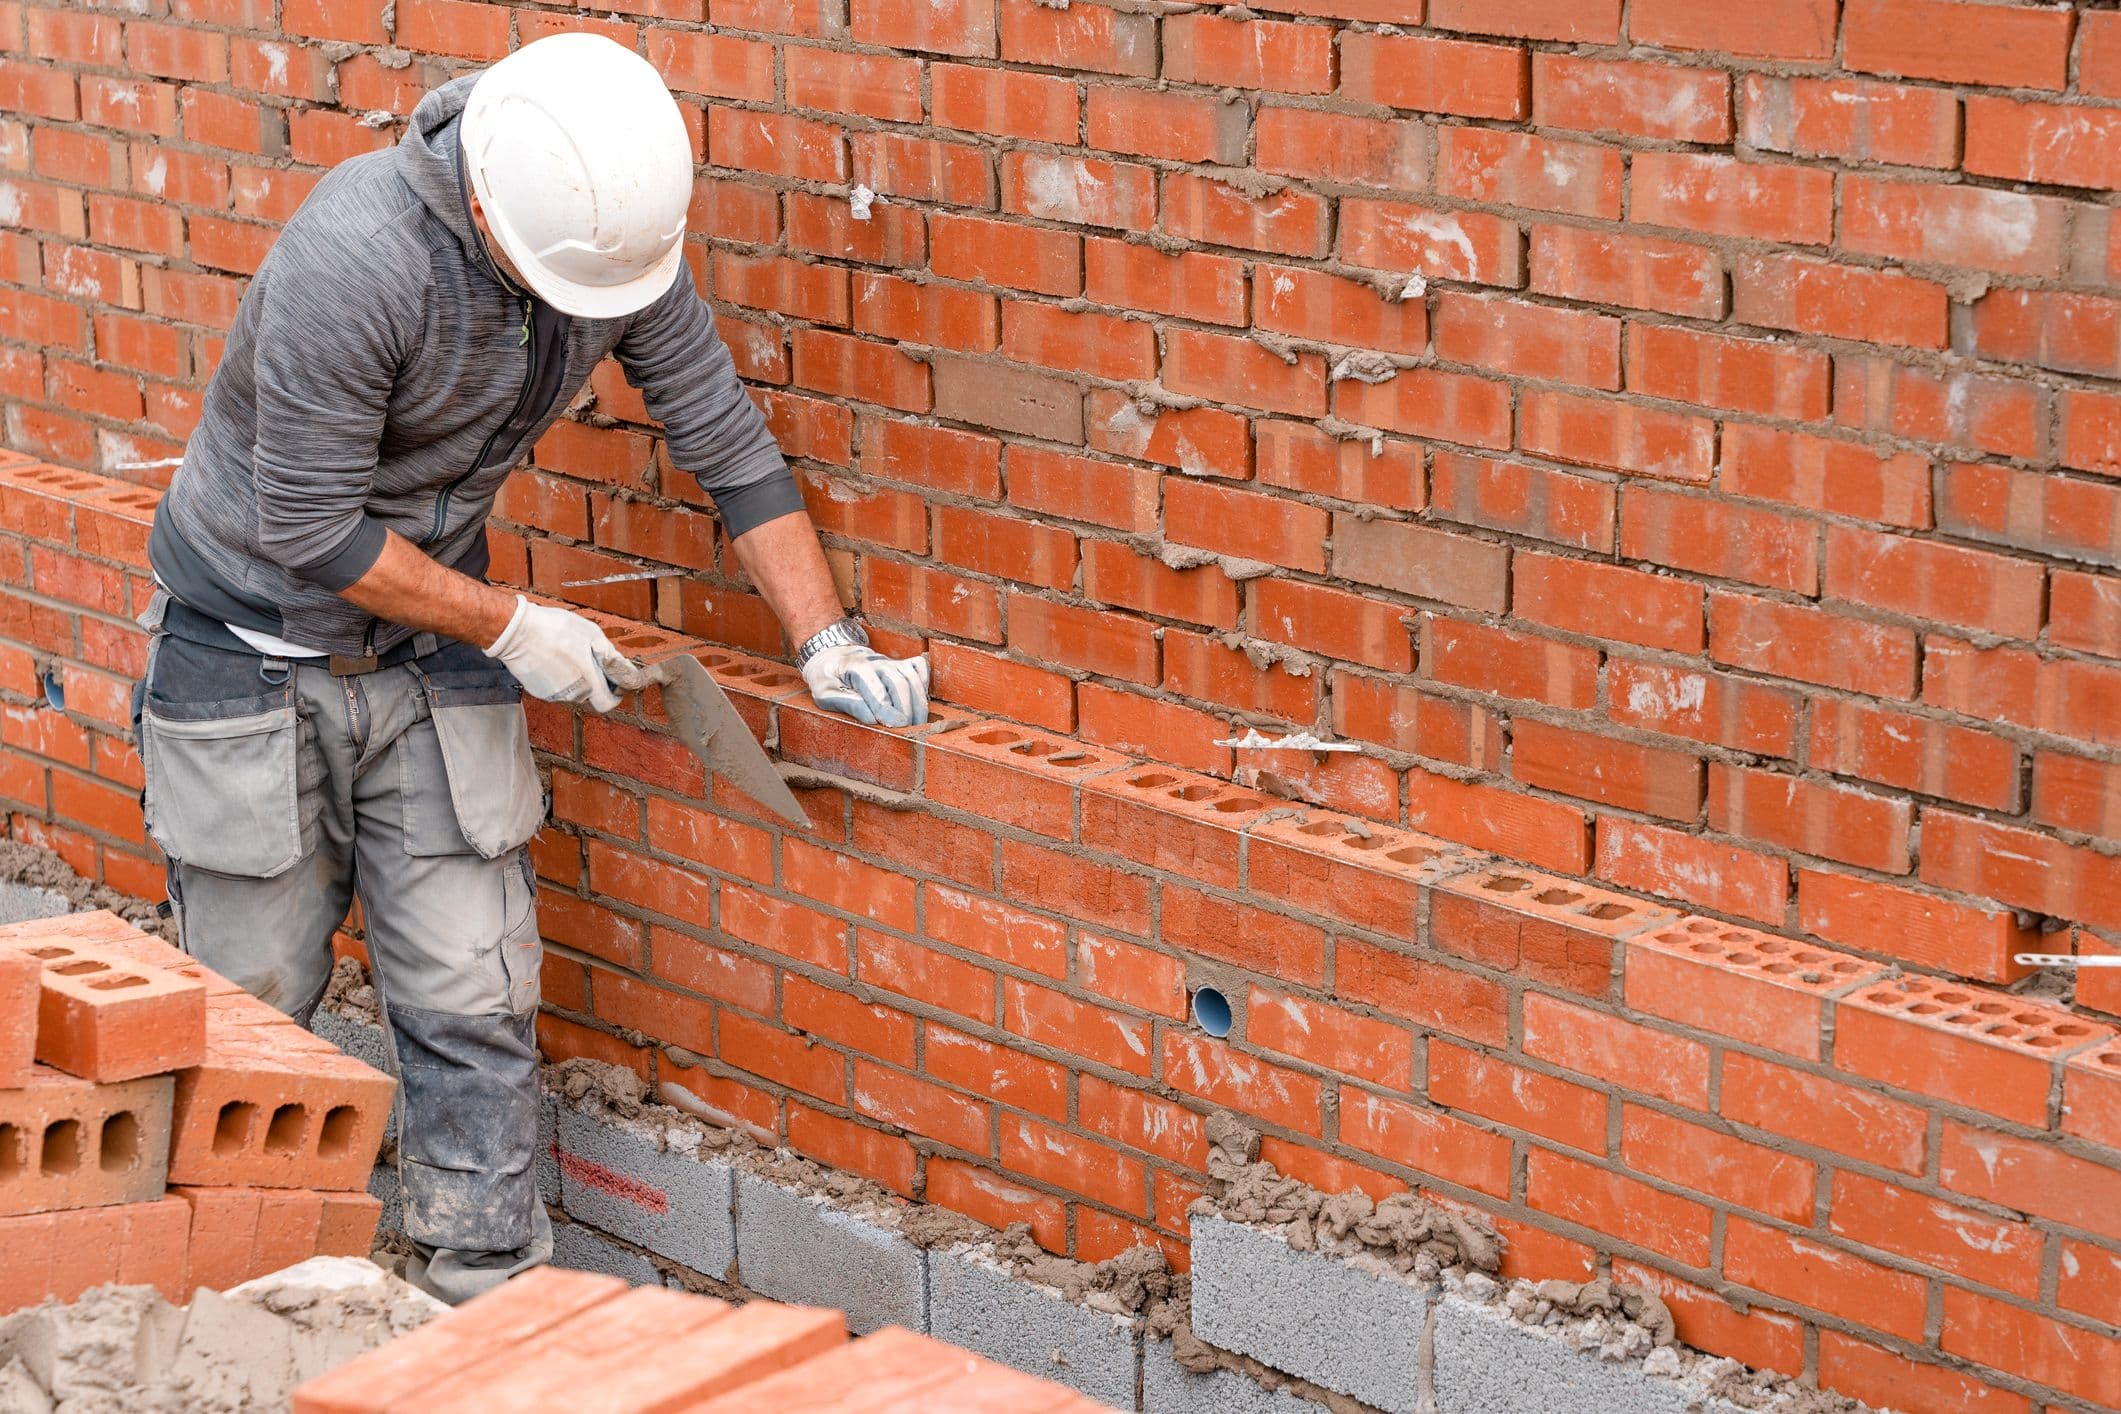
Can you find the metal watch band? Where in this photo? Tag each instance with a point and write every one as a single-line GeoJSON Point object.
{"type": "Point", "coordinates": [833, 635]}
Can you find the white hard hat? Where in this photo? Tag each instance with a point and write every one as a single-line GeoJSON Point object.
{"type": "Point", "coordinates": [584, 172]}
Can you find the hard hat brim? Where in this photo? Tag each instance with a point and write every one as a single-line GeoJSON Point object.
{"type": "Point", "coordinates": [581, 301]}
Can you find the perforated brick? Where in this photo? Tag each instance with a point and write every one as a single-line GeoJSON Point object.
{"type": "Point", "coordinates": [275, 1107]}
{"type": "Point", "coordinates": [103, 1016]}
{"type": "Point", "coordinates": [1739, 983]}
{"type": "Point", "coordinates": [71, 1143]}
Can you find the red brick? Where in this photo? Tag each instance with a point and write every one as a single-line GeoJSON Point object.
{"type": "Point", "coordinates": [269, 1108]}
{"type": "Point", "coordinates": [69, 1143]}
{"type": "Point", "coordinates": [103, 1016]}
{"type": "Point", "coordinates": [1528, 340]}
{"type": "Point", "coordinates": [1773, 29]}
{"type": "Point", "coordinates": [2002, 46]}
{"type": "Point", "coordinates": [1915, 753]}
{"type": "Point", "coordinates": [1243, 936]}
{"type": "Point", "coordinates": [1614, 1049]}
{"type": "Point", "coordinates": [1813, 296]}
{"type": "Point", "coordinates": [1736, 982]}
{"type": "Point", "coordinates": [1559, 933]}
{"type": "Point", "coordinates": [1611, 1203]}
{"type": "Point", "coordinates": [1984, 1050]}
{"type": "Point", "coordinates": [2005, 232]}
{"type": "Point", "coordinates": [1332, 622]}
{"type": "Point", "coordinates": [1824, 1277]}
{"type": "Point", "coordinates": [1372, 152]}
{"type": "Point", "coordinates": [1522, 169]}
{"type": "Point", "coordinates": [1966, 939]}
{"type": "Point", "coordinates": [1040, 107]}
{"type": "Point", "coordinates": [1223, 1076]}
{"type": "Point", "coordinates": [1852, 120]}
{"type": "Point", "coordinates": [1524, 499]}
{"type": "Point", "coordinates": [1426, 1141]}
{"type": "Point", "coordinates": [1674, 864]}
{"type": "Point", "coordinates": [1908, 1224]}
{"type": "Point", "coordinates": [1751, 1175]}
{"type": "Point", "coordinates": [1811, 645]}
{"type": "Point", "coordinates": [1549, 834]}
{"type": "Point", "coordinates": [2022, 867]}
{"type": "Point", "coordinates": [1115, 574]}
{"type": "Point", "coordinates": [1592, 767]}
{"type": "Point", "coordinates": [1810, 1109]}
{"type": "Point", "coordinates": [1313, 305]}
{"type": "Point", "coordinates": [1539, 1104]}
{"type": "Point", "coordinates": [1249, 54]}
{"type": "Point", "coordinates": [1652, 100]}
{"type": "Point", "coordinates": [1075, 1164]}
{"type": "Point", "coordinates": [1727, 196]}
{"type": "Point", "coordinates": [957, 28]}
{"type": "Point", "coordinates": [1817, 473]}
{"type": "Point", "coordinates": [2082, 1362]}
{"type": "Point", "coordinates": [1618, 435]}
{"type": "Point", "coordinates": [1289, 222]}
{"type": "Point", "coordinates": [1430, 402]}
{"type": "Point", "coordinates": [1193, 284]}
{"type": "Point", "coordinates": [1609, 601]}
{"type": "Point", "coordinates": [1436, 75]}
{"type": "Point", "coordinates": [1403, 237]}
{"type": "Point", "coordinates": [1094, 37]}
{"type": "Point", "coordinates": [1330, 1038]}
{"type": "Point", "coordinates": [1825, 820]}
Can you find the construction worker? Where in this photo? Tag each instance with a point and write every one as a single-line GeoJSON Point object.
{"type": "Point", "coordinates": [332, 704]}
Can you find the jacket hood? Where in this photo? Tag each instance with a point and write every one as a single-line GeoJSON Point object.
{"type": "Point", "coordinates": [431, 161]}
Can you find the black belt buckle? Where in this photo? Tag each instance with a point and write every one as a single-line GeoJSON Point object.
{"type": "Point", "coordinates": [343, 666]}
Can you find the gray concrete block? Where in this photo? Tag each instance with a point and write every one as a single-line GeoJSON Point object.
{"type": "Point", "coordinates": [1170, 1388]}
{"type": "Point", "coordinates": [383, 1187]}
{"type": "Point", "coordinates": [1316, 1317]}
{"type": "Point", "coordinates": [792, 1247]}
{"type": "Point", "coordinates": [579, 1249]}
{"type": "Point", "coordinates": [992, 1312]}
{"type": "Point", "coordinates": [621, 1179]}
{"type": "Point", "coordinates": [19, 903]}
{"type": "Point", "coordinates": [548, 1159]}
{"type": "Point", "coordinates": [1486, 1362]}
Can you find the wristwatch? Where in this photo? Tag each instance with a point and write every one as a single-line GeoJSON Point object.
{"type": "Point", "coordinates": [839, 634]}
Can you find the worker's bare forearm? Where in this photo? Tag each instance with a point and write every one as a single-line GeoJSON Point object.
{"type": "Point", "coordinates": [405, 587]}
{"type": "Point", "coordinates": [784, 559]}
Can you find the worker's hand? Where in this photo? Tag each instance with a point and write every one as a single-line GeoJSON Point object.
{"type": "Point", "coordinates": [559, 656]}
{"type": "Point", "coordinates": [867, 686]}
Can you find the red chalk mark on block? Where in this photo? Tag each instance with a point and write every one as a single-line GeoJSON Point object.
{"type": "Point", "coordinates": [618, 1185]}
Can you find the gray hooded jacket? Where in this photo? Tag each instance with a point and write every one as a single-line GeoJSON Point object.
{"type": "Point", "coordinates": [383, 375]}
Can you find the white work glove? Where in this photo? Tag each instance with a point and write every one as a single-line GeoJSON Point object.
{"type": "Point", "coordinates": [874, 690]}
{"type": "Point", "coordinates": [559, 656]}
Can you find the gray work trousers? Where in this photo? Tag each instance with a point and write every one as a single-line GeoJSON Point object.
{"type": "Point", "coordinates": [280, 793]}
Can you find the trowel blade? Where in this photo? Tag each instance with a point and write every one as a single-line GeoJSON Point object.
{"type": "Point", "coordinates": [711, 729]}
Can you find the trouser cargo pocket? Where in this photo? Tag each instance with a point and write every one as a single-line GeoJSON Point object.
{"type": "Point", "coordinates": [477, 740]}
{"type": "Point", "coordinates": [221, 750]}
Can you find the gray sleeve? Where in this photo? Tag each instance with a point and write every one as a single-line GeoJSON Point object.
{"type": "Point", "coordinates": [326, 354]}
{"type": "Point", "coordinates": [673, 355]}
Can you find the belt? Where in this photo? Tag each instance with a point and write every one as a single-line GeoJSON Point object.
{"type": "Point", "coordinates": [188, 623]}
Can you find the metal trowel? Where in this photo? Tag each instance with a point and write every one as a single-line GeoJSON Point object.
{"type": "Point", "coordinates": [711, 729]}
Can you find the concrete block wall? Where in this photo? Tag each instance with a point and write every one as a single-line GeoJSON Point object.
{"type": "Point", "coordinates": [968, 980]}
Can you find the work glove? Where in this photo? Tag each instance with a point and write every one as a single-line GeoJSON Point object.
{"type": "Point", "coordinates": [560, 656]}
{"type": "Point", "coordinates": [865, 685]}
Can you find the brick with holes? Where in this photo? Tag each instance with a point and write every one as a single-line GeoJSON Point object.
{"type": "Point", "coordinates": [1741, 984]}
{"type": "Point", "coordinates": [271, 1107]}
{"type": "Point", "coordinates": [70, 1143]}
{"type": "Point", "coordinates": [102, 1015]}
{"type": "Point", "coordinates": [1550, 930]}
{"type": "Point", "coordinates": [18, 1018]}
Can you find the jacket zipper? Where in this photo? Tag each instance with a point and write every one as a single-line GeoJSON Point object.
{"type": "Point", "coordinates": [530, 377]}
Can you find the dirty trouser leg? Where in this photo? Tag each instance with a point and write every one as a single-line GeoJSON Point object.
{"type": "Point", "coordinates": [445, 802]}
{"type": "Point", "coordinates": [246, 795]}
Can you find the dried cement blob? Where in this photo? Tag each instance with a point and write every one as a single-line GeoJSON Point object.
{"type": "Point", "coordinates": [859, 201]}
{"type": "Point", "coordinates": [1295, 741]}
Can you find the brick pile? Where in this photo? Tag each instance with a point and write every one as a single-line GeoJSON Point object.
{"type": "Point", "coordinates": [649, 1350]}
{"type": "Point", "coordinates": [969, 980]}
{"type": "Point", "coordinates": [159, 1127]}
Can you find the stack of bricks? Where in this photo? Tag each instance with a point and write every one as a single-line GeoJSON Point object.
{"type": "Point", "coordinates": [649, 1350]}
{"type": "Point", "coordinates": [160, 1127]}
{"type": "Point", "coordinates": [969, 979]}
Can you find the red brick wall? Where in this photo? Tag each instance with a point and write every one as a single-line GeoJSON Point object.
{"type": "Point", "coordinates": [1737, 531]}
